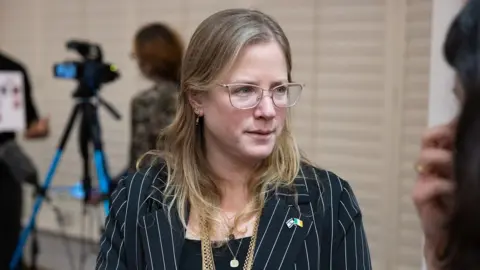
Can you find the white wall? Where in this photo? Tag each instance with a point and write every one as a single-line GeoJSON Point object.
{"type": "Point", "coordinates": [442, 104]}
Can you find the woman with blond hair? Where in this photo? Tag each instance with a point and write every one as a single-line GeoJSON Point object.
{"type": "Point", "coordinates": [230, 188]}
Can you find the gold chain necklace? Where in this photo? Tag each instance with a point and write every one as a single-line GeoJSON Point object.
{"type": "Point", "coordinates": [207, 254]}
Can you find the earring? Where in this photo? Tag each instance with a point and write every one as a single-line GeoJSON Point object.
{"type": "Point", "coordinates": [197, 114]}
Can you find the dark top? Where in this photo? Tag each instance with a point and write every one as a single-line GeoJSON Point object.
{"type": "Point", "coordinates": [151, 111]}
{"type": "Point", "coordinates": [191, 258]}
{"type": "Point", "coordinates": [9, 64]}
{"type": "Point", "coordinates": [321, 229]}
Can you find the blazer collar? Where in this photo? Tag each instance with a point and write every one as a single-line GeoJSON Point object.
{"type": "Point", "coordinates": [283, 227]}
{"type": "Point", "coordinates": [282, 230]}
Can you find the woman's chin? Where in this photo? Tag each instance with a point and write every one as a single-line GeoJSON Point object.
{"type": "Point", "coordinates": [258, 152]}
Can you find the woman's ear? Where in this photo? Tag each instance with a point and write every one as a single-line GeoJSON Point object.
{"type": "Point", "coordinates": [196, 100]}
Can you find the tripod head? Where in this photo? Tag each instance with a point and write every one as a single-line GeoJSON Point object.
{"type": "Point", "coordinates": [90, 73]}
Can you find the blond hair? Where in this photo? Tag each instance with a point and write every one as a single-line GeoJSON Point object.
{"type": "Point", "coordinates": [213, 48]}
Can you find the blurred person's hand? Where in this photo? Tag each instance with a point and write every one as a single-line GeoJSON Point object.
{"type": "Point", "coordinates": [38, 129]}
{"type": "Point", "coordinates": [434, 189]}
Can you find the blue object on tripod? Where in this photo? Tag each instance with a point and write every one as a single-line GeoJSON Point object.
{"type": "Point", "coordinates": [75, 191]}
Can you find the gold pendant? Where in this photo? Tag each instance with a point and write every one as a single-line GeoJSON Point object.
{"type": "Point", "coordinates": [234, 263]}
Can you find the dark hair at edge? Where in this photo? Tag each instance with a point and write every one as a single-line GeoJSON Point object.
{"type": "Point", "coordinates": [462, 52]}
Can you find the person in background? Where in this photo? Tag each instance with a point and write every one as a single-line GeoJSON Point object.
{"type": "Point", "coordinates": [447, 192]}
{"type": "Point", "coordinates": [158, 51]}
{"type": "Point", "coordinates": [10, 188]}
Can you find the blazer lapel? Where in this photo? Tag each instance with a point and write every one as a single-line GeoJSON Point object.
{"type": "Point", "coordinates": [163, 237]}
{"type": "Point", "coordinates": [282, 230]}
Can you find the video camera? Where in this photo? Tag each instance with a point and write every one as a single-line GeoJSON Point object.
{"type": "Point", "coordinates": [91, 73]}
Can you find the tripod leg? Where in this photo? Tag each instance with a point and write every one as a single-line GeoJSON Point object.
{"type": "Point", "coordinates": [34, 249]}
{"type": "Point", "coordinates": [84, 140]}
{"type": "Point", "coordinates": [103, 177]}
{"type": "Point", "coordinates": [42, 190]}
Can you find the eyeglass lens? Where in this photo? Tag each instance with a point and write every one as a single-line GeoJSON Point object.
{"type": "Point", "coordinates": [247, 96]}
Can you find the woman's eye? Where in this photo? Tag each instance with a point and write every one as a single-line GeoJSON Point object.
{"type": "Point", "coordinates": [243, 90]}
{"type": "Point", "coordinates": [281, 90]}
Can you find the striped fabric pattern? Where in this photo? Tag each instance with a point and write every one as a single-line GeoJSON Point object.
{"type": "Point", "coordinates": [141, 234]}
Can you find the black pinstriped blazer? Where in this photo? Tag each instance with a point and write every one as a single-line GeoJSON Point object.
{"type": "Point", "coordinates": [138, 233]}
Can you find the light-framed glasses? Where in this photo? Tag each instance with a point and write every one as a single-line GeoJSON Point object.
{"type": "Point", "coordinates": [246, 96]}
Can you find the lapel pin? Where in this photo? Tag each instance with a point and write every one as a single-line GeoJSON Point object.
{"type": "Point", "coordinates": [294, 221]}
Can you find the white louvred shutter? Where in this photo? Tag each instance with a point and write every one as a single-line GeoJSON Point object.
{"type": "Point", "coordinates": [350, 111]}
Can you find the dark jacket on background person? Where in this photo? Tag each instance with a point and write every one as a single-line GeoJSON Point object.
{"type": "Point", "coordinates": [10, 189]}
{"type": "Point", "coordinates": [151, 111]}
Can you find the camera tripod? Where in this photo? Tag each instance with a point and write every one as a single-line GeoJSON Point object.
{"type": "Point", "coordinates": [86, 108]}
